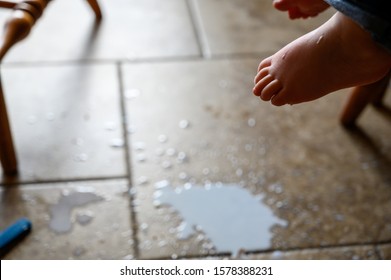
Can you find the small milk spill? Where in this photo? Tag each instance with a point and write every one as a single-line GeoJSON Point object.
{"type": "Point", "coordinates": [230, 216]}
{"type": "Point", "coordinates": [60, 220]}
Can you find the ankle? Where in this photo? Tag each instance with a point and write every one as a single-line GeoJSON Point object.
{"type": "Point", "coordinates": [364, 43]}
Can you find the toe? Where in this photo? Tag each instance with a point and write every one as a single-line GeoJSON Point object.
{"type": "Point", "coordinates": [259, 87]}
{"type": "Point", "coordinates": [282, 5]}
{"type": "Point", "coordinates": [270, 90]}
{"type": "Point", "coordinates": [295, 13]}
{"type": "Point", "coordinates": [265, 63]}
{"type": "Point", "coordinates": [278, 99]}
{"type": "Point", "coordinates": [261, 74]}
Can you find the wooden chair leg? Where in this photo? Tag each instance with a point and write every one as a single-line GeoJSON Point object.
{"type": "Point", "coordinates": [25, 14]}
{"type": "Point", "coordinates": [95, 7]}
{"type": "Point", "coordinates": [23, 17]}
{"type": "Point", "coordinates": [7, 151]}
{"type": "Point", "coordinates": [7, 4]}
{"type": "Point", "coordinates": [378, 98]}
{"type": "Point", "coordinates": [360, 97]}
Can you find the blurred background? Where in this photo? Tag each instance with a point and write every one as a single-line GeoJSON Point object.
{"type": "Point", "coordinates": [138, 137]}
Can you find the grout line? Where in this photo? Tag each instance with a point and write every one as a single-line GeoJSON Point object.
{"type": "Point", "coordinates": [123, 117]}
{"type": "Point", "coordinates": [270, 251]}
{"type": "Point", "coordinates": [11, 183]}
{"type": "Point", "coordinates": [216, 57]}
{"type": "Point", "coordinates": [347, 245]}
{"type": "Point", "coordinates": [128, 161]}
{"type": "Point", "coordinates": [17, 64]}
{"type": "Point", "coordinates": [195, 256]}
{"type": "Point", "coordinates": [199, 29]}
{"type": "Point", "coordinates": [239, 55]}
{"type": "Point", "coordinates": [101, 61]}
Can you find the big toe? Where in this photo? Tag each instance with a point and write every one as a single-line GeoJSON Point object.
{"type": "Point", "coordinates": [265, 63]}
{"type": "Point", "coordinates": [278, 99]}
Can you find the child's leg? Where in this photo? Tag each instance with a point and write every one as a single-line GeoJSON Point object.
{"type": "Point", "coordinates": [337, 55]}
{"type": "Point", "coordinates": [301, 8]}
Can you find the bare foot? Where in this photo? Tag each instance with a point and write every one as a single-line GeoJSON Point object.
{"type": "Point", "coordinates": [301, 8]}
{"type": "Point", "coordinates": [339, 54]}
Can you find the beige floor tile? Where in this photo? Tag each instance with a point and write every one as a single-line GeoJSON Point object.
{"type": "Point", "coordinates": [240, 172]}
{"type": "Point", "coordinates": [94, 224]}
{"type": "Point", "coordinates": [130, 30]}
{"type": "Point", "coordinates": [198, 123]}
{"type": "Point", "coordinates": [343, 253]}
{"type": "Point", "coordinates": [248, 26]}
{"type": "Point", "coordinates": [385, 251]}
{"type": "Point", "coordinates": [66, 121]}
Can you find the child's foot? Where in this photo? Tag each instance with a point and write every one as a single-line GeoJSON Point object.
{"type": "Point", "coordinates": [339, 54]}
{"type": "Point", "coordinates": [301, 8]}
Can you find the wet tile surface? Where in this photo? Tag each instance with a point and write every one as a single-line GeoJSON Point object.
{"type": "Point", "coordinates": [66, 121]}
{"type": "Point", "coordinates": [215, 172]}
{"type": "Point", "coordinates": [130, 29]}
{"type": "Point", "coordinates": [276, 154]}
{"type": "Point", "coordinates": [385, 251]}
{"type": "Point", "coordinates": [99, 228]}
{"type": "Point", "coordinates": [343, 253]}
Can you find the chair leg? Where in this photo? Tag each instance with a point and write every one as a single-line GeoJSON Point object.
{"type": "Point", "coordinates": [7, 151]}
{"type": "Point", "coordinates": [19, 25]}
{"type": "Point", "coordinates": [360, 97]}
{"type": "Point", "coordinates": [17, 28]}
{"type": "Point", "coordinates": [95, 7]}
{"type": "Point", "coordinates": [378, 98]}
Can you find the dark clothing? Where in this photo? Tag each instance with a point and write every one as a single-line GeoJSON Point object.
{"type": "Point", "coordinates": [372, 15]}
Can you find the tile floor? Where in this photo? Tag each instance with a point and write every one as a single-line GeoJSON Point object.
{"type": "Point", "coordinates": [139, 138]}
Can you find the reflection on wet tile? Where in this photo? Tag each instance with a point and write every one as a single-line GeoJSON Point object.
{"type": "Point", "coordinates": [251, 26]}
{"type": "Point", "coordinates": [60, 213]}
{"type": "Point", "coordinates": [284, 154]}
{"type": "Point", "coordinates": [130, 29]}
{"type": "Point", "coordinates": [343, 253]}
{"type": "Point", "coordinates": [193, 125]}
{"type": "Point", "coordinates": [60, 121]}
{"type": "Point", "coordinates": [106, 235]}
{"type": "Point", "coordinates": [231, 218]}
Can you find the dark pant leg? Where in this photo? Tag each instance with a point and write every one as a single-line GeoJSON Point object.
{"type": "Point", "coordinates": [372, 15]}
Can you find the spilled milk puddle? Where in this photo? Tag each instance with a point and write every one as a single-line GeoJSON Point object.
{"type": "Point", "coordinates": [229, 215]}
{"type": "Point", "coordinates": [60, 213]}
